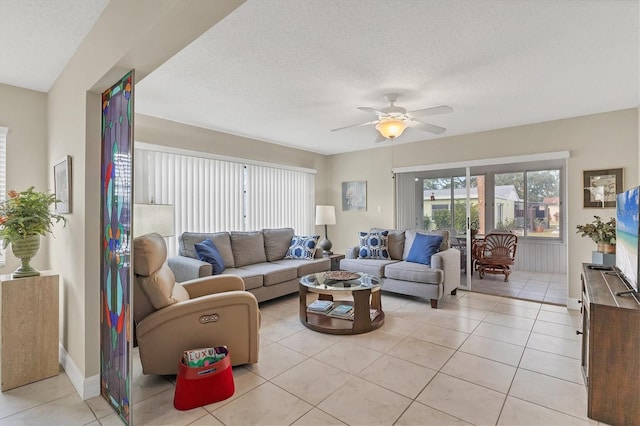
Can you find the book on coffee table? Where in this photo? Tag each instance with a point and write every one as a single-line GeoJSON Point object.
{"type": "Point", "coordinates": [342, 311]}
{"type": "Point", "coordinates": [322, 306]}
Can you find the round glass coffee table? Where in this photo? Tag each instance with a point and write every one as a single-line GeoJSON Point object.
{"type": "Point", "coordinates": [366, 303]}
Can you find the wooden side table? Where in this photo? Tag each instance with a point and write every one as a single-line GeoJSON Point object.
{"type": "Point", "coordinates": [29, 329]}
{"type": "Point", "coordinates": [335, 261]}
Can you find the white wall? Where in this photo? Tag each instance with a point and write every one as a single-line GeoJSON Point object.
{"type": "Point", "coordinates": [600, 141]}
{"type": "Point", "coordinates": [24, 112]}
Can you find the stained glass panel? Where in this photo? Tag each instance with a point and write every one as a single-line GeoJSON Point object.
{"type": "Point", "coordinates": [115, 225]}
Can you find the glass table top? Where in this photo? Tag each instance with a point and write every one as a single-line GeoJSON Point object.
{"type": "Point", "coordinates": [323, 281]}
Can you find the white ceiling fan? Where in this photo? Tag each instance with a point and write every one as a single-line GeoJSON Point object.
{"type": "Point", "coordinates": [393, 119]}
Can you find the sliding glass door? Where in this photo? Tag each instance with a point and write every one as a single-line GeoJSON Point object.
{"type": "Point", "coordinates": [453, 201]}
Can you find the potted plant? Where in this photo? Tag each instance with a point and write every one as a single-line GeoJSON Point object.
{"type": "Point", "coordinates": [24, 217]}
{"type": "Point", "coordinates": [474, 225]}
{"type": "Point", "coordinates": [602, 233]}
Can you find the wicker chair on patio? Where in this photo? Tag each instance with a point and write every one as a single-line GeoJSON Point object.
{"type": "Point", "coordinates": [496, 254]}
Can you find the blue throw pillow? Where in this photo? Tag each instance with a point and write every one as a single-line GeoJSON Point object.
{"type": "Point", "coordinates": [208, 252]}
{"type": "Point", "coordinates": [302, 247]}
{"type": "Point", "coordinates": [423, 247]}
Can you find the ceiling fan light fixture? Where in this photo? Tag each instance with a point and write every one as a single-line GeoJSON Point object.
{"type": "Point", "coordinates": [391, 128]}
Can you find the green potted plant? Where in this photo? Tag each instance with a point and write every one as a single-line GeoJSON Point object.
{"type": "Point", "coordinates": [474, 226]}
{"type": "Point", "coordinates": [24, 217]}
{"type": "Point", "coordinates": [602, 233]}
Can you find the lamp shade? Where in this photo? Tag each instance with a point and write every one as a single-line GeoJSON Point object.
{"type": "Point", "coordinates": [153, 218]}
{"type": "Point", "coordinates": [391, 128]}
{"type": "Point", "coordinates": [325, 215]}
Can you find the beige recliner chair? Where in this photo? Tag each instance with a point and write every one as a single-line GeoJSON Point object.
{"type": "Point", "coordinates": [171, 317]}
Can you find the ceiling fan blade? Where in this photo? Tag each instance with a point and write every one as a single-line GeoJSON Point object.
{"type": "Point", "coordinates": [373, 110]}
{"type": "Point", "coordinates": [442, 109]}
{"type": "Point", "coordinates": [380, 138]}
{"type": "Point", "coordinates": [354, 125]}
{"type": "Point", "coordinates": [426, 126]}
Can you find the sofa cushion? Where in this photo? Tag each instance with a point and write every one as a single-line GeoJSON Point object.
{"type": "Point", "coordinates": [208, 252]}
{"type": "Point", "coordinates": [248, 248]}
{"type": "Point", "coordinates": [414, 272]}
{"type": "Point", "coordinates": [306, 267]}
{"type": "Point", "coordinates": [277, 242]}
{"type": "Point", "coordinates": [373, 245]}
{"type": "Point", "coordinates": [410, 235]}
{"type": "Point", "coordinates": [423, 247]}
{"type": "Point", "coordinates": [369, 266]}
{"type": "Point", "coordinates": [302, 247]}
{"type": "Point", "coordinates": [273, 273]}
{"type": "Point", "coordinates": [252, 279]}
{"type": "Point", "coordinates": [395, 242]}
{"type": "Point", "coordinates": [222, 241]}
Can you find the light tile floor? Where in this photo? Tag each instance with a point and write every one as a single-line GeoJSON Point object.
{"type": "Point", "coordinates": [536, 286]}
{"type": "Point", "coordinates": [479, 359]}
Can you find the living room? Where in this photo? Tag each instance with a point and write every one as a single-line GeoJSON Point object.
{"type": "Point", "coordinates": [65, 121]}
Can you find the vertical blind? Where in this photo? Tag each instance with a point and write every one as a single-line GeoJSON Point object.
{"type": "Point", "coordinates": [212, 195]}
{"type": "Point", "coordinates": [278, 198]}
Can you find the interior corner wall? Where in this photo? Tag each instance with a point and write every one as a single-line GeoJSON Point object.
{"type": "Point", "coordinates": [128, 35]}
{"type": "Point", "coordinates": [598, 141]}
{"type": "Point", "coordinates": [24, 112]}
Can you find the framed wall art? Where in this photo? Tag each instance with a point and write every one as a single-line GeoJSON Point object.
{"type": "Point", "coordinates": [354, 196]}
{"type": "Point", "coordinates": [62, 184]}
{"type": "Point", "coordinates": [601, 187]}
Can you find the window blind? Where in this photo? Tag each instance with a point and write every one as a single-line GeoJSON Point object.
{"type": "Point", "coordinates": [213, 195]}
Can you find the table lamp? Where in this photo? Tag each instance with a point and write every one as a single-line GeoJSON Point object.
{"type": "Point", "coordinates": [325, 215]}
{"type": "Point", "coordinates": [153, 218]}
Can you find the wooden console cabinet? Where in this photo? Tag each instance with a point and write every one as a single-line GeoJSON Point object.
{"type": "Point", "coordinates": [29, 329]}
{"type": "Point", "coordinates": [610, 348]}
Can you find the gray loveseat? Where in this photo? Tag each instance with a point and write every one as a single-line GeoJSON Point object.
{"type": "Point", "coordinates": [414, 279]}
{"type": "Point", "coordinates": [256, 256]}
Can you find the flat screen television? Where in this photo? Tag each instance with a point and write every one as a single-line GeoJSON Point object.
{"type": "Point", "coordinates": [627, 226]}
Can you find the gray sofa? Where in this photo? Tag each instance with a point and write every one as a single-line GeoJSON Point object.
{"type": "Point", "coordinates": [414, 279]}
{"type": "Point", "coordinates": [256, 256]}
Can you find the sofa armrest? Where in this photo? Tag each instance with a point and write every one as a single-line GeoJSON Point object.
{"type": "Point", "coordinates": [449, 261]}
{"type": "Point", "coordinates": [213, 284]}
{"type": "Point", "coordinates": [186, 268]}
{"type": "Point", "coordinates": [351, 252]}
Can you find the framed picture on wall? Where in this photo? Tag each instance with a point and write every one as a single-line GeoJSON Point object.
{"type": "Point", "coordinates": [601, 187]}
{"type": "Point", "coordinates": [62, 183]}
{"type": "Point", "coordinates": [354, 196]}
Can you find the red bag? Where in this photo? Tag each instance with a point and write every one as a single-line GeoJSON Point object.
{"type": "Point", "coordinates": [198, 386]}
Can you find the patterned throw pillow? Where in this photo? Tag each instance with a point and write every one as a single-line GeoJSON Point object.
{"type": "Point", "coordinates": [302, 247]}
{"type": "Point", "coordinates": [374, 245]}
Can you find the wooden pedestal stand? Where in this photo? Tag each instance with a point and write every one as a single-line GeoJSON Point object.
{"type": "Point", "coordinates": [29, 329]}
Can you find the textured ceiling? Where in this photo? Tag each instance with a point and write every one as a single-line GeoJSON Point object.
{"type": "Point", "coordinates": [38, 37]}
{"type": "Point", "coordinates": [287, 71]}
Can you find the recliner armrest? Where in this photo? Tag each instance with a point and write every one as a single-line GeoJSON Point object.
{"type": "Point", "coordinates": [213, 285]}
{"type": "Point", "coordinates": [192, 308]}
{"type": "Point", "coordinates": [231, 318]}
{"type": "Point", "coordinates": [186, 268]}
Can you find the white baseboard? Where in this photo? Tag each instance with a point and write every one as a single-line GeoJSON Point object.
{"type": "Point", "coordinates": [86, 387]}
{"type": "Point", "coordinates": [573, 304]}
